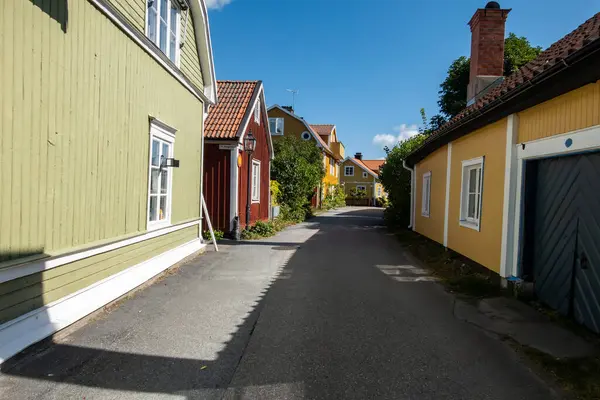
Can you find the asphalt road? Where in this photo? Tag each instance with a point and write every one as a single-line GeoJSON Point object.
{"type": "Point", "coordinates": [329, 309]}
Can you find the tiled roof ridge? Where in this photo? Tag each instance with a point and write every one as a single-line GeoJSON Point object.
{"type": "Point", "coordinates": [576, 40]}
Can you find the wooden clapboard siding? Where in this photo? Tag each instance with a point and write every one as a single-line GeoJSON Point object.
{"type": "Point", "coordinates": [572, 111]}
{"type": "Point", "coordinates": [74, 133]}
{"type": "Point", "coordinates": [134, 12]}
{"type": "Point", "coordinates": [25, 294]}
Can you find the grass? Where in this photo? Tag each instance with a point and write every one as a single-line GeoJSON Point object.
{"type": "Point", "coordinates": [457, 273]}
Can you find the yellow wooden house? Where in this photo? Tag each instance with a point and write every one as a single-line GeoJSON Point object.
{"type": "Point", "coordinates": [513, 181]}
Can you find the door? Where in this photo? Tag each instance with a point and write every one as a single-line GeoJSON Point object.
{"type": "Point", "coordinates": [566, 236]}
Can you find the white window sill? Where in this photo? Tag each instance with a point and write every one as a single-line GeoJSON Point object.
{"type": "Point", "coordinates": [426, 215]}
{"type": "Point", "coordinates": [255, 202]}
{"type": "Point", "coordinates": [470, 225]}
{"type": "Point", "coordinates": [152, 226]}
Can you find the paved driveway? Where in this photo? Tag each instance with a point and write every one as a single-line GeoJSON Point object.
{"type": "Point", "coordinates": [329, 309]}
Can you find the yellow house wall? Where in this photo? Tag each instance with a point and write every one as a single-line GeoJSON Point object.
{"type": "Point", "coordinates": [484, 246]}
{"type": "Point", "coordinates": [432, 226]}
{"type": "Point", "coordinates": [572, 111]}
{"type": "Point", "coordinates": [350, 182]}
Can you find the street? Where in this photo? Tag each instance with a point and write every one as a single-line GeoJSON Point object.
{"type": "Point", "coordinates": [329, 309]}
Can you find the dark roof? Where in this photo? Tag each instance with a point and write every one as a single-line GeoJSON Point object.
{"type": "Point", "coordinates": [585, 36]}
{"type": "Point", "coordinates": [226, 117]}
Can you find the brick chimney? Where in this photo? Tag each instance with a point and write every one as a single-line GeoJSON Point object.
{"type": "Point", "coordinates": [487, 48]}
{"type": "Point", "coordinates": [288, 108]}
{"type": "Point", "coordinates": [358, 156]}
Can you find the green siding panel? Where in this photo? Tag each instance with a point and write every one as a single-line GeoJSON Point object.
{"type": "Point", "coordinates": [25, 294]}
{"type": "Point", "coordinates": [134, 12]}
{"type": "Point", "coordinates": [74, 129]}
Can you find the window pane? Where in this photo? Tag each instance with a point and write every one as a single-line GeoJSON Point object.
{"type": "Point", "coordinates": [152, 20]}
{"type": "Point", "coordinates": [165, 150]}
{"type": "Point", "coordinates": [155, 147]}
{"type": "Point", "coordinates": [172, 47]}
{"type": "Point", "coordinates": [162, 213]}
{"type": "Point", "coordinates": [174, 12]}
{"type": "Point", "coordinates": [154, 181]}
{"type": "Point", "coordinates": [471, 205]}
{"type": "Point", "coordinates": [477, 206]}
{"type": "Point", "coordinates": [163, 26]}
{"type": "Point", "coordinates": [473, 180]}
{"type": "Point", "coordinates": [280, 126]}
{"type": "Point", "coordinates": [273, 125]}
{"type": "Point", "coordinates": [163, 9]}
{"type": "Point", "coordinates": [164, 181]}
{"type": "Point", "coordinates": [152, 211]}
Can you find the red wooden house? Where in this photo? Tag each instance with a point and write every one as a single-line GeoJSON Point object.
{"type": "Point", "coordinates": [228, 168]}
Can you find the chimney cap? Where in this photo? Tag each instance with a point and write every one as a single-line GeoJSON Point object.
{"type": "Point", "coordinates": [358, 156]}
{"type": "Point", "coordinates": [492, 5]}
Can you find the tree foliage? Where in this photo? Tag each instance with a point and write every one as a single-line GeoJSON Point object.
{"type": "Point", "coordinates": [298, 167]}
{"type": "Point", "coordinates": [453, 91]}
{"type": "Point", "coordinates": [396, 180]}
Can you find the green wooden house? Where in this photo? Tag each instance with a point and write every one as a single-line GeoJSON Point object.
{"type": "Point", "coordinates": [101, 146]}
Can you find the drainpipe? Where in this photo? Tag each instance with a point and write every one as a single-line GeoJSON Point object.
{"type": "Point", "coordinates": [412, 193]}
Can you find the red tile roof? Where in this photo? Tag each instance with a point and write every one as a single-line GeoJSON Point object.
{"type": "Point", "coordinates": [581, 37]}
{"type": "Point", "coordinates": [224, 118]}
{"type": "Point", "coordinates": [364, 165]}
{"type": "Point", "coordinates": [322, 129]}
{"type": "Point", "coordinates": [374, 165]}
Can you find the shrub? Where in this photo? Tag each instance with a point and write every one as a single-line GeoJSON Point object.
{"type": "Point", "coordinates": [335, 198]}
{"type": "Point", "coordinates": [382, 202]}
{"type": "Point", "coordinates": [357, 193]}
{"type": "Point", "coordinates": [218, 235]}
{"type": "Point", "coordinates": [275, 193]}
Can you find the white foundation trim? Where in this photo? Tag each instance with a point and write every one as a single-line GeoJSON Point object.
{"type": "Point", "coordinates": [20, 270]}
{"type": "Point", "coordinates": [447, 205]}
{"type": "Point", "coordinates": [569, 143]}
{"type": "Point", "coordinates": [233, 187]}
{"type": "Point", "coordinates": [510, 188]}
{"type": "Point", "coordinates": [38, 324]}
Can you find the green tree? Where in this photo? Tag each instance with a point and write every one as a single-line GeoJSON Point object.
{"type": "Point", "coordinates": [396, 180]}
{"type": "Point", "coordinates": [453, 91]}
{"type": "Point", "coordinates": [298, 168]}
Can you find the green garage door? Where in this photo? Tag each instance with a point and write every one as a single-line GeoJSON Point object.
{"type": "Point", "coordinates": [566, 236]}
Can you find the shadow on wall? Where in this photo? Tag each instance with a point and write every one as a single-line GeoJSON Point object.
{"type": "Point", "coordinates": [309, 284]}
{"type": "Point", "coordinates": [58, 10]}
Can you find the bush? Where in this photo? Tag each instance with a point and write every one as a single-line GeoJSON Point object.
{"type": "Point", "coordinates": [357, 193]}
{"type": "Point", "coordinates": [218, 235]}
{"type": "Point", "coordinates": [298, 168]}
{"type": "Point", "coordinates": [335, 197]}
{"type": "Point", "coordinates": [275, 193]}
{"type": "Point", "coordinates": [382, 202]}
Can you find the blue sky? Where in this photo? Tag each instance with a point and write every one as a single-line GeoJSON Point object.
{"type": "Point", "coordinates": [366, 66]}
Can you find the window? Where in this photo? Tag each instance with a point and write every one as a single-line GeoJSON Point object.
{"type": "Point", "coordinates": [361, 187]}
{"type": "Point", "coordinates": [162, 26]}
{"type": "Point", "coordinates": [305, 135]}
{"type": "Point", "coordinates": [472, 191]}
{"type": "Point", "coordinates": [426, 199]}
{"type": "Point", "coordinates": [378, 191]}
{"type": "Point", "coordinates": [255, 181]}
{"type": "Point", "coordinates": [365, 175]}
{"type": "Point", "coordinates": [160, 178]}
{"type": "Point", "coordinates": [349, 171]}
{"type": "Point", "coordinates": [257, 113]}
{"type": "Point", "coordinates": [276, 126]}
{"type": "Point", "coordinates": [331, 166]}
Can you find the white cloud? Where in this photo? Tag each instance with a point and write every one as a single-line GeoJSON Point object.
{"type": "Point", "coordinates": [403, 132]}
{"type": "Point", "coordinates": [217, 4]}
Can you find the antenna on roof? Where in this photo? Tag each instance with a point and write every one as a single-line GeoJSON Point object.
{"type": "Point", "coordinates": [294, 92]}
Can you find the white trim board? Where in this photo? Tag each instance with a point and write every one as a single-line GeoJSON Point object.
{"type": "Point", "coordinates": [508, 211]}
{"type": "Point", "coordinates": [447, 200]}
{"type": "Point", "coordinates": [36, 325]}
{"type": "Point", "coordinates": [20, 270]}
{"type": "Point", "coordinates": [568, 143]}
{"type": "Point", "coordinates": [233, 186]}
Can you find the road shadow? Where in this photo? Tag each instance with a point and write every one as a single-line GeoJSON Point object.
{"type": "Point", "coordinates": [332, 324]}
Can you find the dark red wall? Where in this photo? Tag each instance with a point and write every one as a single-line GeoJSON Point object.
{"type": "Point", "coordinates": [258, 211]}
{"type": "Point", "coordinates": [217, 176]}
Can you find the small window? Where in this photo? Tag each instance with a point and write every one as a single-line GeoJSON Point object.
{"type": "Point", "coordinates": [472, 191]}
{"type": "Point", "coordinates": [162, 26]}
{"type": "Point", "coordinates": [426, 198]}
{"type": "Point", "coordinates": [365, 175]}
{"type": "Point", "coordinates": [361, 187]}
{"type": "Point", "coordinates": [160, 178]}
{"type": "Point", "coordinates": [255, 181]}
{"type": "Point", "coordinates": [331, 166]}
{"type": "Point", "coordinates": [305, 135]}
{"type": "Point", "coordinates": [257, 113]}
{"type": "Point", "coordinates": [349, 171]}
{"type": "Point", "coordinates": [276, 126]}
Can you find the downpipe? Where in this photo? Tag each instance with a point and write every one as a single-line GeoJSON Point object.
{"type": "Point", "coordinates": [412, 193]}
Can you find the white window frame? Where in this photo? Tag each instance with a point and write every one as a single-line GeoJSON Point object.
{"type": "Point", "coordinates": [257, 113]}
{"type": "Point", "coordinates": [277, 122]}
{"type": "Point", "coordinates": [346, 170]}
{"type": "Point", "coordinates": [467, 167]}
{"type": "Point", "coordinates": [305, 135]}
{"type": "Point", "coordinates": [255, 186]}
{"type": "Point", "coordinates": [365, 175]}
{"type": "Point", "coordinates": [426, 194]}
{"type": "Point", "coordinates": [331, 166]}
{"type": "Point", "coordinates": [162, 135]}
{"type": "Point", "coordinates": [170, 3]}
